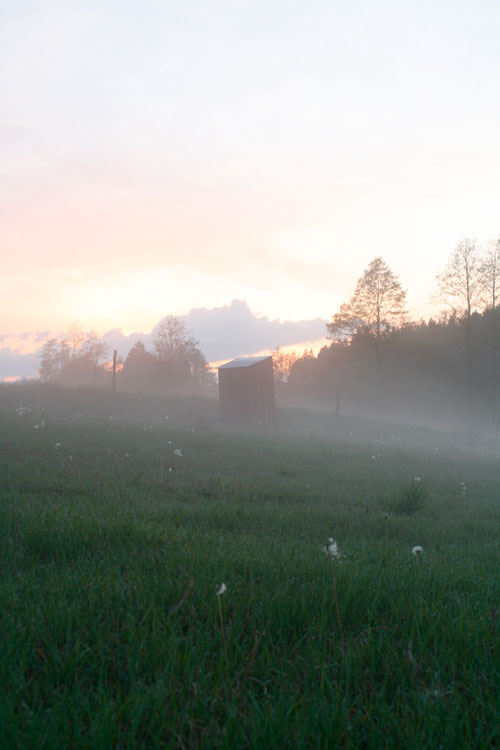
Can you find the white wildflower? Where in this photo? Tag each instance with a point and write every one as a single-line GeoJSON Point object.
{"type": "Point", "coordinates": [417, 550]}
{"type": "Point", "coordinates": [178, 452]}
{"type": "Point", "coordinates": [58, 445]}
{"type": "Point", "coordinates": [332, 548]}
{"type": "Point", "coordinates": [221, 589]}
{"type": "Point", "coordinates": [417, 479]}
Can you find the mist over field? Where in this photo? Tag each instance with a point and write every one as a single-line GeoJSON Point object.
{"type": "Point", "coordinates": [377, 362]}
{"type": "Point", "coordinates": [249, 375]}
{"type": "Point", "coordinates": [287, 549]}
{"type": "Point", "coordinates": [168, 581]}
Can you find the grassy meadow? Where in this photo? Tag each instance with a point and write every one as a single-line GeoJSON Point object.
{"type": "Point", "coordinates": [120, 519]}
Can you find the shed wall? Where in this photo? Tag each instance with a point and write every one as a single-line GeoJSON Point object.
{"type": "Point", "coordinates": [246, 395]}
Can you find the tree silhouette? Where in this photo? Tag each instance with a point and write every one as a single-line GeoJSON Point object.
{"type": "Point", "coordinates": [490, 275]}
{"type": "Point", "coordinates": [75, 337]}
{"type": "Point", "coordinates": [461, 286]}
{"type": "Point", "coordinates": [461, 283]}
{"type": "Point", "coordinates": [140, 369]}
{"type": "Point", "coordinates": [95, 349]}
{"type": "Point", "coordinates": [282, 365]}
{"type": "Point", "coordinates": [378, 303]}
{"type": "Point", "coordinates": [490, 270]}
{"type": "Point", "coordinates": [49, 360]}
{"type": "Point", "coordinates": [176, 349]}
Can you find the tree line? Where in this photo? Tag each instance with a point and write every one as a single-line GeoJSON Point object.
{"type": "Point", "coordinates": [174, 363]}
{"type": "Point", "coordinates": [379, 362]}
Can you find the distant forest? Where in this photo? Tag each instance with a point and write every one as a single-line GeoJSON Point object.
{"type": "Point", "coordinates": [444, 372]}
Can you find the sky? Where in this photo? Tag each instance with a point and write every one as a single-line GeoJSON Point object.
{"type": "Point", "coordinates": [159, 157]}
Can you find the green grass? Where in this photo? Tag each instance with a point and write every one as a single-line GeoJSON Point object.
{"type": "Point", "coordinates": [109, 620]}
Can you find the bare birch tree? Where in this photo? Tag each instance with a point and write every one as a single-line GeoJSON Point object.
{"type": "Point", "coordinates": [490, 269]}
{"type": "Point", "coordinates": [490, 273]}
{"type": "Point", "coordinates": [461, 283]}
{"type": "Point", "coordinates": [461, 286]}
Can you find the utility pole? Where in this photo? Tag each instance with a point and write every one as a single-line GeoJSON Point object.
{"type": "Point", "coordinates": [114, 370]}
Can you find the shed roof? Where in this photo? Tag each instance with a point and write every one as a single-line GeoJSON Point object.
{"type": "Point", "coordinates": [243, 362]}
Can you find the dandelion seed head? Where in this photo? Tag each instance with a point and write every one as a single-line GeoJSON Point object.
{"type": "Point", "coordinates": [332, 548]}
{"type": "Point", "coordinates": [417, 550]}
{"type": "Point", "coordinates": [221, 589]}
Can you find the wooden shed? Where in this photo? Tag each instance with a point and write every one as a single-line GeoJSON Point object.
{"type": "Point", "coordinates": [246, 392]}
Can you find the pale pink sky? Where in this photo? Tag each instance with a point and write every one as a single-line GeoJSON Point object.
{"type": "Point", "coordinates": [164, 156]}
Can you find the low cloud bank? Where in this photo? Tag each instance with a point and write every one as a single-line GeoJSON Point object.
{"type": "Point", "coordinates": [234, 330]}
{"type": "Point", "coordinates": [225, 332]}
{"type": "Point", "coordinates": [16, 365]}
{"type": "Point", "coordinates": [230, 331]}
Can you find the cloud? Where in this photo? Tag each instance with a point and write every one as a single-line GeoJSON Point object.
{"type": "Point", "coordinates": [225, 332]}
{"type": "Point", "coordinates": [229, 331]}
{"type": "Point", "coordinates": [14, 364]}
{"type": "Point", "coordinates": [123, 343]}
{"type": "Point", "coordinates": [234, 330]}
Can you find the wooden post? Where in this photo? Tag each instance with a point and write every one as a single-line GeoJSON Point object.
{"type": "Point", "coordinates": [114, 370]}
